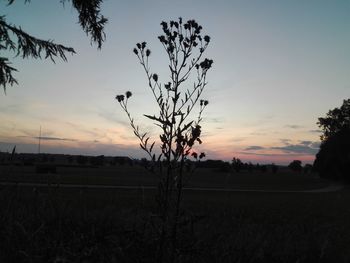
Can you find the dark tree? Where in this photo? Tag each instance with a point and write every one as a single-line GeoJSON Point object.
{"type": "Point", "coordinates": [333, 159]}
{"type": "Point", "coordinates": [274, 168]}
{"type": "Point", "coordinates": [295, 166]}
{"type": "Point", "coordinates": [14, 39]}
{"type": "Point", "coordinates": [237, 164]}
{"type": "Point", "coordinates": [336, 120]}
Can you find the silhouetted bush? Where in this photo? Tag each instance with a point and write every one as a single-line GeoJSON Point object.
{"type": "Point", "coordinates": [295, 166]}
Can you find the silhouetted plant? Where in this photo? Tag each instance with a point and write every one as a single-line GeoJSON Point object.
{"type": "Point", "coordinates": [184, 45]}
{"type": "Point", "coordinates": [14, 39]}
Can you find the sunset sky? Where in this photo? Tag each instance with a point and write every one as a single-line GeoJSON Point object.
{"type": "Point", "coordinates": [278, 66]}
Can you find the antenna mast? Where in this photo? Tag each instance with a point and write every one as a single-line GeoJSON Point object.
{"type": "Point", "coordinates": [39, 140]}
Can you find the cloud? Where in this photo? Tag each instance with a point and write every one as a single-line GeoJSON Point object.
{"type": "Point", "coordinates": [256, 133]}
{"type": "Point", "coordinates": [315, 131]}
{"type": "Point", "coordinates": [91, 132]}
{"type": "Point", "coordinates": [294, 126]}
{"type": "Point", "coordinates": [298, 148]}
{"type": "Point", "coordinates": [305, 143]}
{"type": "Point", "coordinates": [239, 139]}
{"type": "Point", "coordinates": [254, 148]}
{"type": "Point", "coordinates": [13, 108]}
{"type": "Point", "coordinates": [113, 117]}
{"type": "Point", "coordinates": [285, 141]}
{"type": "Point", "coordinates": [269, 154]}
{"type": "Point", "coordinates": [46, 138]}
{"type": "Point", "coordinates": [315, 145]}
{"type": "Point", "coordinates": [214, 120]}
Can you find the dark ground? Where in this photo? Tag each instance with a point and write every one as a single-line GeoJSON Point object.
{"type": "Point", "coordinates": [55, 224]}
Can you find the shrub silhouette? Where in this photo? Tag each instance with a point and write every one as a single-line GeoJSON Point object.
{"type": "Point", "coordinates": [295, 166]}
{"type": "Point", "coordinates": [184, 45]}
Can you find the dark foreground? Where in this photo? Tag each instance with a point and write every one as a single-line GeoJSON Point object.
{"type": "Point", "coordinates": [54, 224]}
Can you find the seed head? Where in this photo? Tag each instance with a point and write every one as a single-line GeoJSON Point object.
{"type": "Point", "coordinates": [128, 94]}
{"type": "Point", "coordinates": [119, 98]}
{"type": "Point", "coordinates": [155, 77]}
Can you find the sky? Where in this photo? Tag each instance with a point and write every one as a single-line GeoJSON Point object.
{"type": "Point", "coordinates": [278, 67]}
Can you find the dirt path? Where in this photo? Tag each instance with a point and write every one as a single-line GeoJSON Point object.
{"type": "Point", "coordinates": [330, 188]}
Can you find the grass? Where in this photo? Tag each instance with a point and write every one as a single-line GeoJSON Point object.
{"type": "Point", "coordinates": [54, 224]}
{"type": "Point", "coordinates": [137, 175]}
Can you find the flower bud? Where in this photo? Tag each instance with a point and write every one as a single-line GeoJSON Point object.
{"type": "Point", "coordinates": [195, 155]}
{"type": "Point", "coordinates": [155, 77]}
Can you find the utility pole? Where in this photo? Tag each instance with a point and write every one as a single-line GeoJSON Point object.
{"type": "Point", "coordinates": [39, 140]}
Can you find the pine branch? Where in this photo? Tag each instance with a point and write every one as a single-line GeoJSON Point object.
{"type": "Point", "coordinates": [6, 73]}
{"type": "Point", "coordinates": [25, 45]}
{"type": "Point", "coordinates": [29, 46]}
{"type": "Point", "coordinates": [91, 20]}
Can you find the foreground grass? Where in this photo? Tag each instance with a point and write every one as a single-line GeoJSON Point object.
{"type": "Point", "coordinates": [89, 225]}
{"type": "Point", "coordinates": [138, 176]}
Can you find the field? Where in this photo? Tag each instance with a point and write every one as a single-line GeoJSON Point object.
{"type": "Point", "coordinates": [58, 224]}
